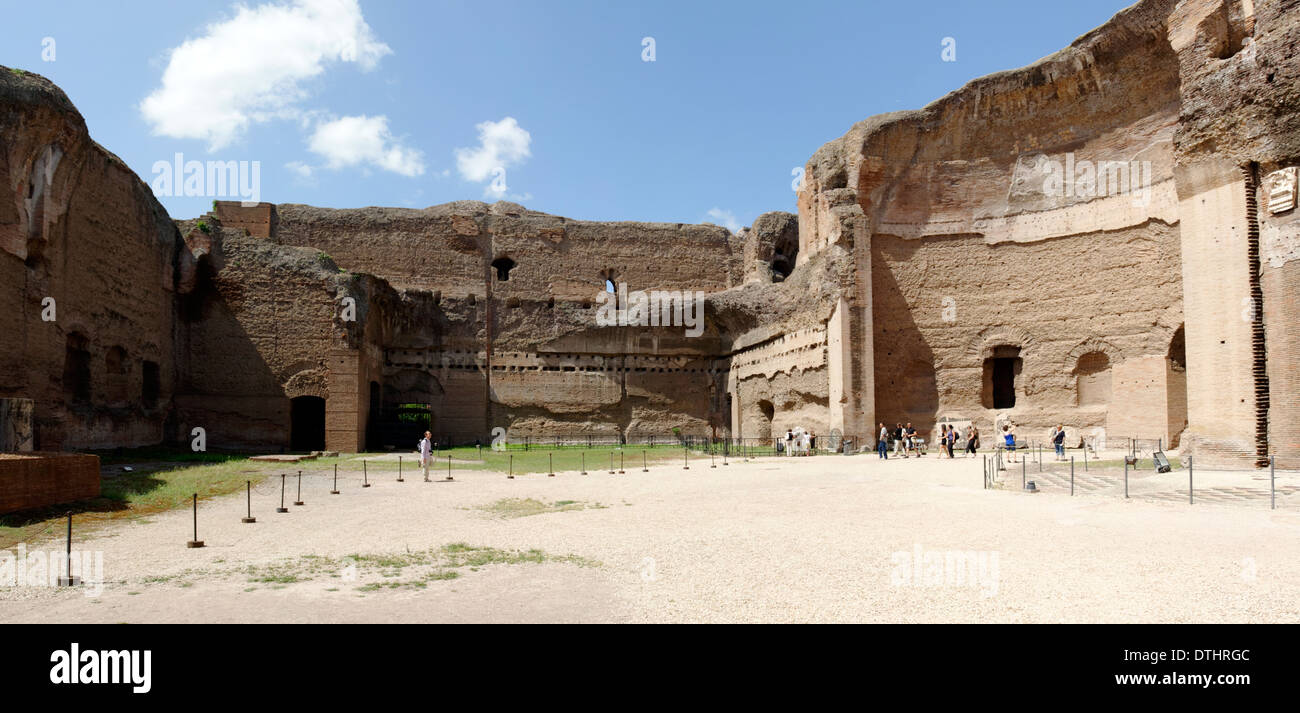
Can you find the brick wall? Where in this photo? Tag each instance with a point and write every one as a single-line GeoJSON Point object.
{"type": "Point", "coordinates": [38, 479]}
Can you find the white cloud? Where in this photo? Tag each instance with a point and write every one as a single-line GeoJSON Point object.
{"type": "Point", "coordinates": [300, 169]}
{"type": "Point", "coordinates": [250, 68]}
{"type": "Point", "coordinates": [500, 144]}
{"type": "Point", "coordinates": [725, 218]}
{"type": "Point", "coordinates": [364, 141]}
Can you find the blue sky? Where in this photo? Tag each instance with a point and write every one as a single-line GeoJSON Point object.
{"type": "Point", "coordinates": [348, 103]}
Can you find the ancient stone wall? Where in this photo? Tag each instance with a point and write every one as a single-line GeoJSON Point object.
{"type": "Point", "coordinates": [1033, 212]}
{"type": "Point", "coordinates": [263, 325]}
{"type": "Point", "coordinates": [86, 265]}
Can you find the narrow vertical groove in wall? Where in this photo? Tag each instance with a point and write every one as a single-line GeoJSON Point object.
{"type": "Point", "coordinates": [1259, 361]}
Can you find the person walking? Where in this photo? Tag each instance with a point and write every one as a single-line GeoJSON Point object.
{"type": "Point", "coordinates": [909, 433]}
{"type": "Point", "coordinates": [426, 447]}
{"type": "Point", "coordinates": [900, 441]}
{"type": "Point", "coordinates": [882, 446]}
{"type": "Point", "coordinates": [972, 440]}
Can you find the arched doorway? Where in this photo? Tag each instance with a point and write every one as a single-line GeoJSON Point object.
{"type": "Point", "coordinates": [766, 411]}
{"type": "Point", "coordinates": [1176, 381]}
{"type": "Point", "coordinates": [307, 423]}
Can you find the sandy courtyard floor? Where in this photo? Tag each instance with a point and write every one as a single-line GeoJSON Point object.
{"type": "Point", "coordinates": [830, 538]}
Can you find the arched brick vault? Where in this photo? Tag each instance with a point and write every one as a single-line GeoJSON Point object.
{"type": "Point", "coordinates": [981, 347]}
{"type": "Point", "coordinates": [308, 382]}
{"type": "Point", "coordinates": [1093, 344]}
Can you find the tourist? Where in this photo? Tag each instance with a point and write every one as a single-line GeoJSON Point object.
{"type": "Point", "coordinates": [972, 440]}
{"type": "Point", "coordinates": [426, 446]}
{"type": "Point", "coordinates": [789, 441]}
{"type": "Point", "coordinates": [943, 438]}
{"type": "Point", "coordinates": [1009, 438]}
{"type": "Point", "coordinates": [952, 440]}
{"type": "Point", "coordinates": [1058, 439]}
{"type": "Point", "coordinates": [882, 445]}
{"type": "Point", "coordinates": [910, 434]}
{"type": "Point", "coordinates": [900, 442]}
{"type": "Point", "coordinates": [812, 442]}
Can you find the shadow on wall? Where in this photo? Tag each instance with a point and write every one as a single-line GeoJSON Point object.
{"type": "Point", "coordinates": [907, 387]}
{"type": "Point", "coordinates": [226, 386]}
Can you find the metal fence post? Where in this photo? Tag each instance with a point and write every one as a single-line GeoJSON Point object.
{"type": "Point", "coordinates": [1190, 489]}
{"type": "Point", "coordinates": [1072, 475]}
{"type": "Point", "coordinates": [1126, 478]}
{"type": "Point", "coordinates": [1272, 492]}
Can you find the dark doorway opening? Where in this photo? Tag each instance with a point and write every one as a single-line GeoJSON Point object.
{"type": "Point", "coordinates": [76, 368]}
{"type": "Point", "coordinates": [150, 384]}
{"type": "Point", "coordinates": [307, 423]}
{"type": "Point", "coordinates": [1000, 372]}
{"type": "Point", "coordinates": [372, 419]}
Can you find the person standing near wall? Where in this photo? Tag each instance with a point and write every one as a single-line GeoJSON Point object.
{"type": "Point", "coordinates": [882, 445]}
{"type": "Point", "coordinates": [1009, 438]}
{"type": "Point", "coordinates": [426, 446]}
{"type": "Point", "coordinates": [900, 440]}
{"type": "Point", "coordinates": [1058, 439]}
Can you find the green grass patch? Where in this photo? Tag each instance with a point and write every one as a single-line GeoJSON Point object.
{"type": "Point", "coordinates": [523, 507]}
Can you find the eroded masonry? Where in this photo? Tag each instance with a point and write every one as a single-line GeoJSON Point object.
{"type": "Point", "coordinates": [1106, 239]}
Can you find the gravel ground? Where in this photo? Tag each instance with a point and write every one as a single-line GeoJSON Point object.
{"type": "Point", "coordinates": [775, 540]}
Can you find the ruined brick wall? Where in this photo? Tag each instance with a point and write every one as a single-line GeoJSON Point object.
{"type": "Point", "coordinates": [261, 326]}
{"type": "Point", "coordinates": [450, 248]}
{"type": "Point", "coordinates": [971, 236]}
{"type": "Point", "coordinates": [941, 305]}
{"type": "Point", "coordinates": [79, 228]}
{"type": "Point", "coordinates": [1238, 124]}
{"type": "Point", "coordinates": [38, 479]}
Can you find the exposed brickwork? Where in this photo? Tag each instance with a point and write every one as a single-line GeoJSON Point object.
{"type": "Point", "coordinates": [38, 479]}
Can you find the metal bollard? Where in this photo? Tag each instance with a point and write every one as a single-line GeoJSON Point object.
{"type": "Point", "coordinates": [1071, 475]}
{"type": "Point", "coordinates": [550, 460]}
{"type": "Point", "coordinates": [335, 491]}
{"type": "Point", "coordinates": [448, 466]}
{"type": "Point", "coordinates": [399, 470]}
{"type": "Point", "coordinates": [584, 457]}
{"type": "Point", "coordinates": [365, 476]}
{"type": "Point", "coordinates": [1126, 478]}
{"type": "Point", "coordinates": [686, 459]}
{"type": "Point", "coordinates": [611, 462]}
{"type": "Point", "coordinates": [644, 467]}
{"type": "Point", "coordinates": [620, 462]}
{"type": "Point", "coordinates": [299, 501]}
{"type": "Point", "coordinates": [69, 580]}
{"type": "Point", "coordinates": [249, 492]}
{"type": "Point", "coordinates": [282, 508]}
{"type": "Point", "coordinates": [192, 544]}
{"type": "Point", "coordinates": [511, 473]}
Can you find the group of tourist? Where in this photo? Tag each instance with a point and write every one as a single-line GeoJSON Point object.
{"type": "Point", "coordinates": [906, 441]}
{"type": "Point", "coordinates": [797, 444]}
